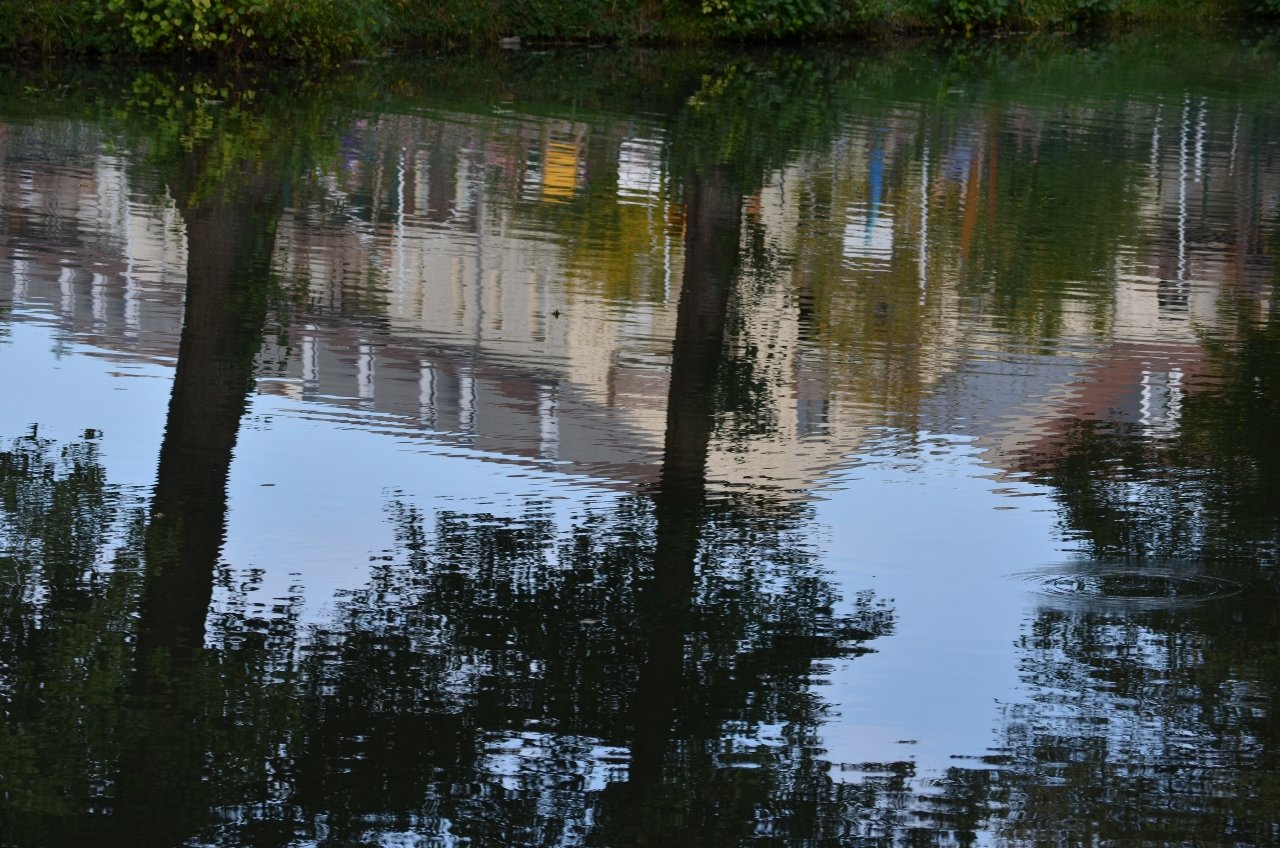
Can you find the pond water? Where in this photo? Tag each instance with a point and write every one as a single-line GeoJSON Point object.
{"type": "Point", "coordinates": [857, 446]}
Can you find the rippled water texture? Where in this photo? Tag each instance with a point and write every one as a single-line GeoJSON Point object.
{"type": "Point", "coordinates": [854, 447]}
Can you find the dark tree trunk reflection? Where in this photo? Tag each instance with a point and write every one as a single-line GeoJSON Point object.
{"type": "Point", "coordinates": [711, 261]}
{"type": "Point", "coordinates": [230, 241]}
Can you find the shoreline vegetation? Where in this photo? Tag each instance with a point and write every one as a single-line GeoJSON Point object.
{"type": "Point", "coordinates": [329, 31]}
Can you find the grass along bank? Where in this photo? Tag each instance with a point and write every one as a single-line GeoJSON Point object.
{"type": "Point", "coordinates": [326, 31]}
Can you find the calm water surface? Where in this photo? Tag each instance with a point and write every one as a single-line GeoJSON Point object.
{"type": "Point", "coordinates": [618, 449]}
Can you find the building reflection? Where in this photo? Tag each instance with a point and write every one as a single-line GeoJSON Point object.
{"type": "Point", "coordinates": [443, 293]}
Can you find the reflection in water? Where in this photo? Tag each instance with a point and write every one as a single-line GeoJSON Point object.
{"type": "Point", "coordinates": [1153, 722]}
{"type": "Point", "coordinates": [647, 323]}
{"type": "Point", "coordinates": [1096, 585]}
{"type": "Point", "coordinates": [159, 794]}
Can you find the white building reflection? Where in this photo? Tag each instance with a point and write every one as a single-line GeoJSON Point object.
{"type": "Point", "coordinates": [468, 283]}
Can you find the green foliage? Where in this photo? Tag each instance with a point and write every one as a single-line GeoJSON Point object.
{"type": "Point", "coordinates": [484, 22]}
{"type": "Point", "coordinates": [551, 19]}
{"type": "Point", "coordinates": [326, 31]}
{"type": "Point", "coordinates": [971, 13]}
{"type": "Point", "coordinates": [447, 22]}
{"type": "Point", "coordinates": [318, 30]}
{"type": "Point", "coordinates": [54, 26]}
{"type": "Point", "coordinates": [1095, 11]}
{"type": "Point", "coordinates": [293, 30]}
{"type": "Point", "coordinates": [789, 93]}
{"type": "Point", "coordinates": [204, 132]}
{"type": "Point", "coordinates": [53, 506]}
{"type": "Point", "coordinates": [775, 17]}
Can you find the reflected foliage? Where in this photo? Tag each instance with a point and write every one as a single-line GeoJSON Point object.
{"type": "Point", "coordinates": [1162, 720]}
{"type": "Point", "coordinates": [1210, 492]}
{"type": "Point", "coordinates": [65, 616]}
{"type": "Point", "coordinates": [501, 650]}
{"type": "Point", "coordinates": [1152, 727]}
{"type": "Point", "coordinates": [57, 512]}
{"type": "Point", "coordinates": [483, 681]}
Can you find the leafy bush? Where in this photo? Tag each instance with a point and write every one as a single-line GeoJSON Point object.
{"type": "Point", "coordinates": [778, 18]}
{"type": "Point", "coordinates": [322, 30]}
{"type": "Point", "coordinates": [55, 26]}
{"type": "Point", "coordinates": [1094, 11]}
{"type": "Point", "coordinates": [448, 22]}
{"type": "Point", "coordinates": [332, 30]}
{"type": "Point", "coordinates": [971, 13]}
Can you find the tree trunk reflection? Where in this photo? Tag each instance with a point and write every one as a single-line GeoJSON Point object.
{"type": "Point", "coordinates": [711, 260]}
{"type": "Point", "coordinates": [230, 241]}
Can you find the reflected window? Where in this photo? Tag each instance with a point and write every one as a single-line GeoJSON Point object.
{"type": "Point", "coordinates": [1160, 406]}
{"type": "Point", "coordinates": [1173, 296]}
{"type": "Point", "coordinates": [812, 416]}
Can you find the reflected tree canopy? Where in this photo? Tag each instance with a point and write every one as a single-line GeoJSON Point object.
{"type": "Point", "coordinates": [1208, 492]}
